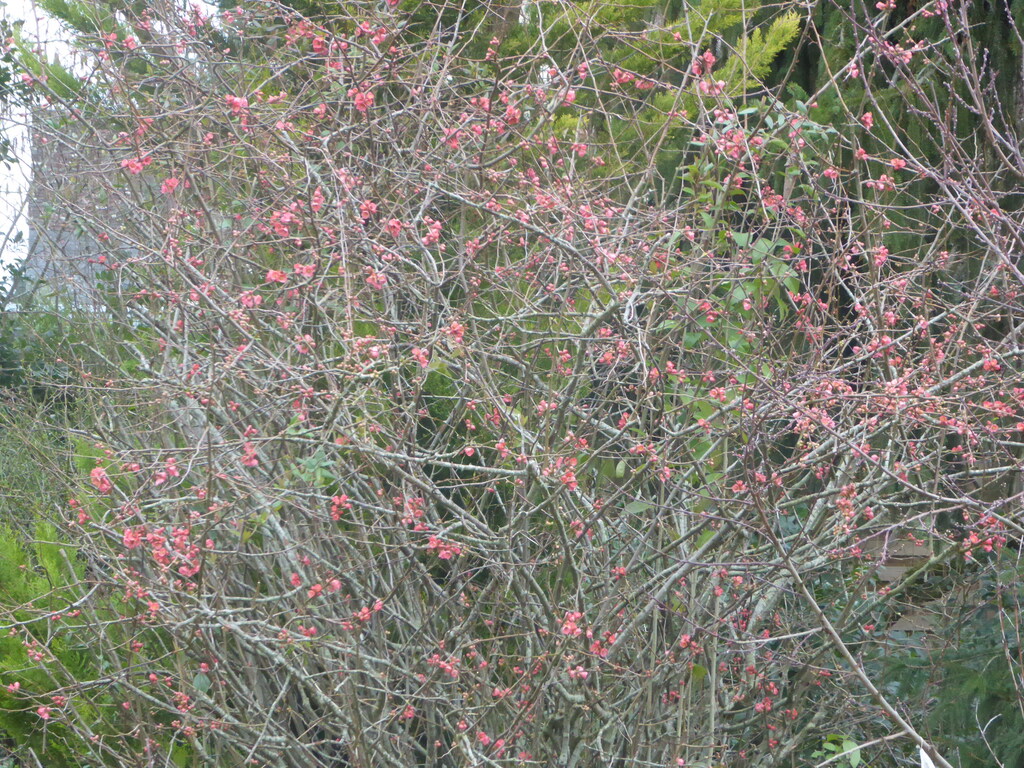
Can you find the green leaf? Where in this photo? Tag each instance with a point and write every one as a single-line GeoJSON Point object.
{"type": "Point", "coordinates": [181, 756]}
{"type": "Point", "coordinates": [761, 250]}
{"type": "Point", "coordinates": [257, 522]}
{"type": "Point", "coordinates": [698, 673]}
{"type": "Point", "coordinates": [202, 682]}
{"type": "Point", "coordinates": [86, 455]}
{"type": "Point", "coordinates": [854, 752]}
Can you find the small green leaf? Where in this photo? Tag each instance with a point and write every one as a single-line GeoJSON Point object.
{"type": "Point", "coordinates": [704, 538]}
{"type": "Point", "coordinates": [698, 673]}
{"type": "Point", "coordinates": [202, 682]}
{"type": "Point", "coordinates": [853, 752]}
{"type": "Point", "coordinates": [762, 249]}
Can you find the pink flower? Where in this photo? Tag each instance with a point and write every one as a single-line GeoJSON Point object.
{"type": "Point", "coordinates": [249, 458]}
{"type": "Point", "coordinates": [868, 120]}
{"type": "Point", "coordinates": [376, 280]}
{"type": "Point", "coordinates": [276, 276]}
{"type": "Point", "coordinates": [367, 209]}
{"type": "Point", "coordinates": [238, 105]}
{"type": "Point", "coordinates": [622, 77]}
{"type": "Point", "coordinates": [433, 231]}
{"type": "Point", "coordinates": [421, 356]}
{"type": "Point", "coordinates": [444, 550]}
{"type": "Point", "coordinates": [338, 506]}
{"type": "Point", "coordinates": [43, 712]}
{"type": "Point", "coordinates": [135, 165]}
{"type": "Point", "coordinates": [363, 100]}
{"type": "Point", "coordinates": [133, 537]}
{"type": "Point", "coordinates": [569, 480]}
{"type": "Point", "coordinates": [169, 185]}
{"type": "Point", "coordinates": [570, 626]}
{"type": "Point", "coordinates": [100, 480]}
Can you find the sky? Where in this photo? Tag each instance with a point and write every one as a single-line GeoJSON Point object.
{"type": "Point", "coordinates": [14, 179]}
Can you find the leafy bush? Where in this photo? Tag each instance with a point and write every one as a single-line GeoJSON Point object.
{"type": "Point", "coordinates": [533, 384]}
{"type": "Point", "coordinates": [41, 662]}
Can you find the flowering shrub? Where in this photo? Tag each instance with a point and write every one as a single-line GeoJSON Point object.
{"type": "Point", "coordinates": [515, 392]}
